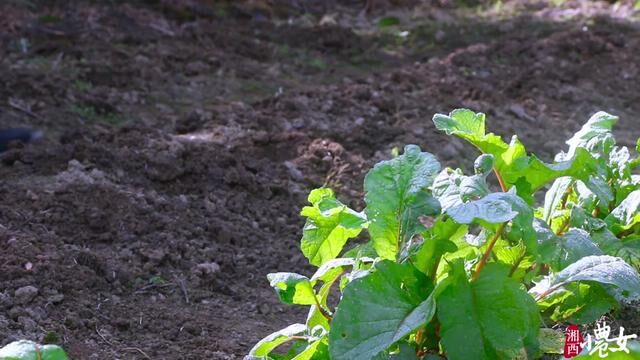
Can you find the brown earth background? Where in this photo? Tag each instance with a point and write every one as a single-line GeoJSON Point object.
{"type": "Point", "coordinates": [181, 139]}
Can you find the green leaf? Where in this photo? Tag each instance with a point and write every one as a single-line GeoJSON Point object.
{"type": "Point", "coordinates": [378, 310]}
{"type": "Point", "coordinates": [551, 341]}
{"type": "Point", "coordinates": [292, 288]}
{"type": "Point", "coordinates": [513, 164]}
{"type": "Point", "coordinates": [619, 162]}
{"type": "Point", "coordinates": [329, 273]}
{"type": "Point", "coordinates": [522, 224]}
{"type": "Point", "coordinates": [340, 264]}
{"type": "Point", "coordinates": [595, 135]}
{"type": "Point", "coordinates": [329, 225]}
{"type": "Point", "coordinates": [452, 188]}
{"type": "Point", "coordinates": [361, 250]}
{"type": "Point", "coordinates": [603, 269]}
{"type": "Point", "coordinates": [516, 257]}
{"type": "Point", "coordinates": [317, 350]}
{"type": "Point", "coordinates": [265, 346]}
{"type": "Point", "coordinates": [388, 21]}
{"type": "Point", "coordinates": [547, 243]}
{"type": "Point", "coordinates": [404, 352]}
{"type": "Point", "coordinates": [397, 193]}
{"type": "Point", "coordinates": [554, 196]}
{"type": "Point", "coordinates": [627, 214]}
{"type": "Point", "coordinates": [536, 173]}
{"type": "Point", "coordinates": [437, 241]}
{"type": "Point", "coordinates": [29, 350]}
{"type": "Point", "coordinates": [462, 122]}
{"type": "Point", "coordinates": [492, 209]}
{"type": "Point", "coordinates": [601, 190]}
{"type": "Point", "coordinates": [571, 247]}
{"type": "Point", "coordinates": [629, 250]}
{"type": "Point", "coordinates": [585, 304]}
{"type": "Point", "coordinates": [483, 164]}
{"type": "Point", "coordinates": [492, 318]}
{"type": "Point", "coordinates": [497, 208]}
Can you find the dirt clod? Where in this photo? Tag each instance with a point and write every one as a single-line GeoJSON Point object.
{"type": "Point", "coordinates": [25, 294]}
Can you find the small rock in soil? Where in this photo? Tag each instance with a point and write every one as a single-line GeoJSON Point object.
{"type": "Point", "coordinates": [25, 294]}
{"type": "Point", "coordinates": [55, 299]}
{"type": "Point", "coordinates": [293, 171]}
{"type": "Point", "coordinates": [27, 323]}
{"type": "Point", "coordinates": [16, 312]}
{"type": "Point", "coordinates": [5, 300]}
{"type": "Point", "coordinates": [207, 268]}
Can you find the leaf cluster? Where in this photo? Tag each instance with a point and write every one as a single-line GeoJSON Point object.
{"type": "Point", "coordinates": [455, 270]}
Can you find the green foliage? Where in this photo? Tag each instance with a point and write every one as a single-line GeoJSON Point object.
{"type": "Point", "coordinates": [329, 225]}
{"type": "Point", "coordinates": [379, 310]}
{"type": "Point", "coordinates": [29, 350]}
{"type": "Point", "coordinates": [397, 193]}
{"type": "Point", "coordinates": [388, 21]}
{"type": "Point", "coordinates": [455, 270]}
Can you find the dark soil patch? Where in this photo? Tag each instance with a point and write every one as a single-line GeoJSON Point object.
{"type": "Point", "coordinates": [181, 143]}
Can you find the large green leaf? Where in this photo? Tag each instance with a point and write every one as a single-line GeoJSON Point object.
{"type": "Point", "coordinates": [551, 341]}
{"type": "Point", "coordinates": [397, 193]}
{"type": "Point", "coordinates": [530, 173]}
{"type": "Point", "coordinates": [497, 208]}
{"type": "Point", "coordinates": [292, 288]}
{"type": "Point", "coordinates": [627, 248]}
{"type": "Point", "coordinates": [569, 248]}
{"type": "Point", "coordinates": [521, 225]}
{"type": "Point", "coordinates": [491, 209]}
{"type": "Point", "coordinates": [580, 303]}
{"type": "Point", "coordinates": [437, 241]}
{"type": "Point", "coordinates": [329, 225]}
{"type": "Point", "coordinates": [29, 350]}
{"type": "Point", "coordinates": [526, 172]}
{"type": "Point", "coordinates": [516, 257]}
{"type": "Point", "coordinates": [378, 310]}
{"type": "Point", "coordinates": [316, 350]}
{"type": "Point", "coordinates": [594, 192]}
{"type": "Point", "coordinates": [554, 196]}
{"type": "Point", "coordinates": [620, 162]}
{"type": "Point", "coordinates": [595, 135]}
{"type": "Point", "coordinates": [491, 318]}
{"type": "Point", "coordinates": [453, 188]}
{"type": "Point", "coordinates": [603, 269]}
{"type": "Point", "coordinates": [403, 352]}
{"type": "Point", "coordinates": [329, 273]}
{"type": "Point", "coordinates": [264, 347]}
{"type": "Point", "coordinates": [625, 215]}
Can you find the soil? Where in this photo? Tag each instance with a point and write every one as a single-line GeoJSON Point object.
{"type": "Point", "coordinates": [183, 136]}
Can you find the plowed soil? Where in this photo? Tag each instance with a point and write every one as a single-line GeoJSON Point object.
{"type": "Point", "coordinates": [182, 138]}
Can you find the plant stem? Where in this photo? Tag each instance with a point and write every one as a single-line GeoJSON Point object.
{"type": "Point", "coordinates": [321, 309]}
{"type": "Point", "coordinates": [487, 252]}
{"type": "Point", "coordinates": [546, 293]}
{"type": "Point", "coordinates": [565, 197]}
{"type": "Point", "coordinates": [503, 186]}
